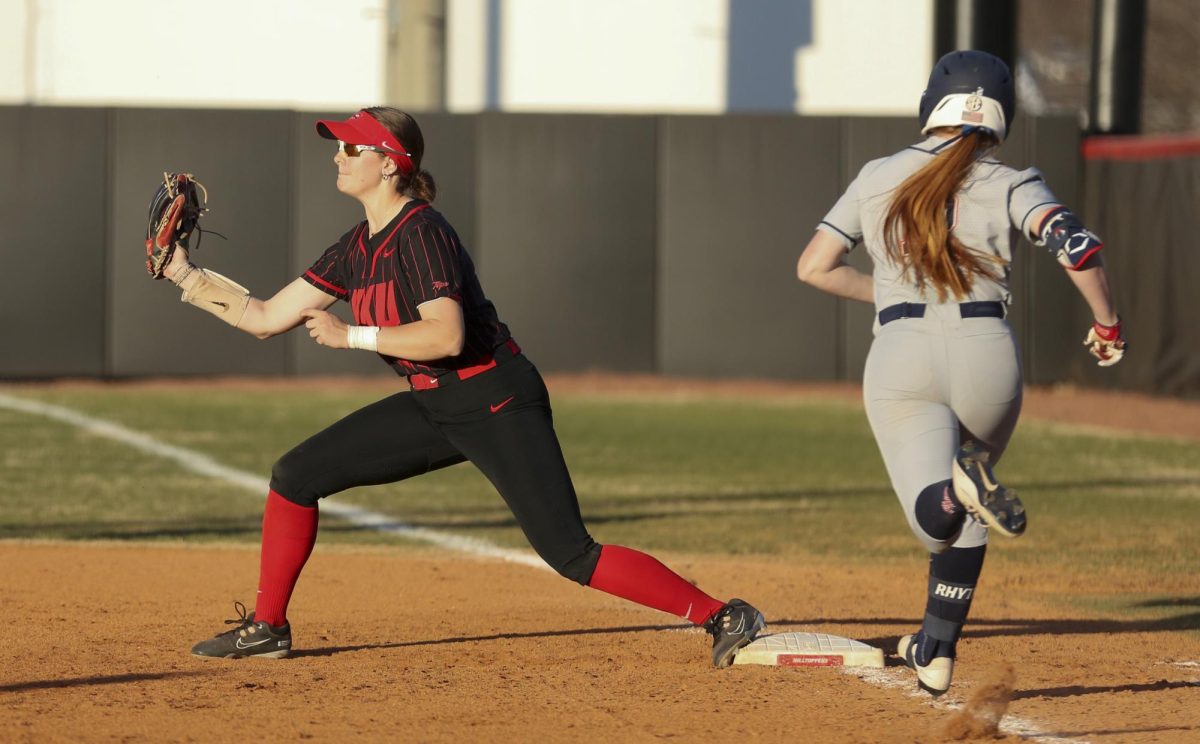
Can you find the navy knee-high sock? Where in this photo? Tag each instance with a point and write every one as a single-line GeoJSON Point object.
{"type": "Point", "coordinates": [953, 576]}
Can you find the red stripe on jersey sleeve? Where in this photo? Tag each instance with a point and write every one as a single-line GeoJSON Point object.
{"type": "Point", "coordinates": [318, 280]}
{"type": "Point", "coordinates": [445, 253]}
{"type": "Point", "coordinates": [415, 283]}
{"type": "Point", "coordinates": [436, 252]}
{"type": "Point", "coordinates": [447, 281]}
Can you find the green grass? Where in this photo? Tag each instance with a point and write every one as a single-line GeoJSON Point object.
{"type": "Point", "coordinates": [786, 477]}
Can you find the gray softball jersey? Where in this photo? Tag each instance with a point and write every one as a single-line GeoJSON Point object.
{"type": "Point", "coordinates": [993, 208]}
{"type": "Point", "coordinates": [930, 383]}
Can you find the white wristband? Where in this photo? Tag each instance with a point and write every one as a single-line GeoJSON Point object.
{"type": "Point", "coordinates": [363, 337]}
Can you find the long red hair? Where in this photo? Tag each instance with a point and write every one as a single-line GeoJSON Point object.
{"type": "Point", "coordinates": [916, 230]}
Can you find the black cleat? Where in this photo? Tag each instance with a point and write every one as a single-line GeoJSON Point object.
{"type": "Point", "coordinates": [734, 626]}
{"type": "Point", "coordinates": [977, 490]}
{"type": "Point", "coordinates": [248, 639]}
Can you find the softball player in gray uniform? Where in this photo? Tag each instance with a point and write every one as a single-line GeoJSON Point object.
{"type": "Point", "coordinates": [942, 384]}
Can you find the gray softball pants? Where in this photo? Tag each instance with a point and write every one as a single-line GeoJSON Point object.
{"type": "Point", "coordinates": [931, 383]}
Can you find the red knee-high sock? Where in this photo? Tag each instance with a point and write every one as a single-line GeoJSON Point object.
{"type": "Point", "coordinates": [641, 578]}
{"type": "Point", "coordinates": [289, 531]}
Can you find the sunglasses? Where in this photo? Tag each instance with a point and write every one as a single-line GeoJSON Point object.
{"type": "Point", "coordinates": [353, 151]}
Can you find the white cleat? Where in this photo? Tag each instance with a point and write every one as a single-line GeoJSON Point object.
{"type": "Point", "coordinates": [977, 489]}
{"type": "Point", "coordinates": [933, 677]}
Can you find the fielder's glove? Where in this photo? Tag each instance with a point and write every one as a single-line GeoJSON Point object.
{"type": "Point", "coordinates": [175, 209]}
{"type": "Point", "coordinates": [1106, 343]}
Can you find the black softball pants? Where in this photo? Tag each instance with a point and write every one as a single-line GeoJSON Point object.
{"type": "Point", "coordinates": [500, 420]}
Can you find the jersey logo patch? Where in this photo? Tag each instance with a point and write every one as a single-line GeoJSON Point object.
{"type": "Point", "coordinates": [375, 305]}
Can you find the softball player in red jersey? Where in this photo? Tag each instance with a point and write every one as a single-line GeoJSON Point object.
{"type": "Point", "coordinates": [474, 396]}
{"type": "Point", "coordinates": [942, 383]}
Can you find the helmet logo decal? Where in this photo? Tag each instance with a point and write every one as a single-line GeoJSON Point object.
{"type": "Point", "coordinates": [972, 107]}
{"type": "Point", "coordinates": [975, 100]}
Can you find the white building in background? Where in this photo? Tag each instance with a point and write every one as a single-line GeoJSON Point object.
{"type": "Point", "coordinates": [617, 56]}
{"type": "Point", "coordinates": [691, 56]}
{"type": "Point", "coordinates": [220, 53]}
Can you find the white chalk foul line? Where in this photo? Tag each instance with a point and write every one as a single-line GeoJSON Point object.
{"type": "Point", "coordinates": [205, 465]}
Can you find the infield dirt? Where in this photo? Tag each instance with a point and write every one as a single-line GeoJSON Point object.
{"type": "Point", "coordinates": [432, 647]}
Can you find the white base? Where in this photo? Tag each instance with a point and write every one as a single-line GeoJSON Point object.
{"type": "Point", "coordinates": [809, 650]}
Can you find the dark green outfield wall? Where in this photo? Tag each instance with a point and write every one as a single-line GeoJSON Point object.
{"type": "Point", "coordinates": [623, 243]}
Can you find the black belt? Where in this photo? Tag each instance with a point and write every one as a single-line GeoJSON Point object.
{"type": "Point", "coordinates": [986, 309]}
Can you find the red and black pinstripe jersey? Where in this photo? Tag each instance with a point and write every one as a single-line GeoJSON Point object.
{"type": "Point", "coordinates": [415, 258]}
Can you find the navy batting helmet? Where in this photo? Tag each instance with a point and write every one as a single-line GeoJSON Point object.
{"type": "Point", "coordinates": [969, 88]}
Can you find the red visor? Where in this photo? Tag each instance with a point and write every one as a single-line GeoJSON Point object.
{"type": "Point", "coordinates": [364, 129]}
